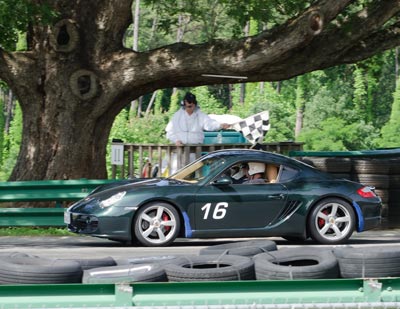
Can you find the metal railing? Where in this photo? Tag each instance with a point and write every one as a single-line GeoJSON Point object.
{"type": "Point", "coordinates": [272, 294]}
{"type": "Point", "coordinates": [50, 192]}
{"type": "Point", "coordinates": [150, 160]}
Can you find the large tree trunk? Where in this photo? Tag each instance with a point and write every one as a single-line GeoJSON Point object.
{"type": "Point", "coordinates": [77, 76]}
{"type": "Point", "coordinates": [62, 90]}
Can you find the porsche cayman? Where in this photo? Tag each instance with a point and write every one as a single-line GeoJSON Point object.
{"type": "Point", "coordinates": [206, 199]}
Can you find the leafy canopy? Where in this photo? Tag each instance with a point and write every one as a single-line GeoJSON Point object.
{"type": "Point", "coordinates": [17, 15]}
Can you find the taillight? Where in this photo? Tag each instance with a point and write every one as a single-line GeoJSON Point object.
{"type": "Point", "coordinates": [366, 192]}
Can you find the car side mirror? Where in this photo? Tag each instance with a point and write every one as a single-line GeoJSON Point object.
{"type": "Point", "coordinates": [223, 180]}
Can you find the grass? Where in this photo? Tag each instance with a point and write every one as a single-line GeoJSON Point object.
{"type": "Point", "coordinates": [34, 231]}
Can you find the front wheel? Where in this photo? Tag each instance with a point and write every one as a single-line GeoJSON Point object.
{"type": "Point", "coordinates": [156, 224]}
{"type": "Point", "coordinates": [332, 221]}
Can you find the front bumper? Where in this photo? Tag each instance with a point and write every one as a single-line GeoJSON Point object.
{"type": "Point", "coordinates": [88, 217]}
{"type": "Point", "coordinates": [81, 223]}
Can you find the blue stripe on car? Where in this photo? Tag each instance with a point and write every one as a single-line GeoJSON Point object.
{"type": "Point", "coordinates": [360, 225]}
{"type": "Point", "coordinates": [188, 228]}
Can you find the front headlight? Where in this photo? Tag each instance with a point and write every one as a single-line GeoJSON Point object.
{"type": "Point", "coordinates": [113, 199]}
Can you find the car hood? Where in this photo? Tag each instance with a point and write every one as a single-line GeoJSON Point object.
{"type": "Point", "coordinates": [148, 183]}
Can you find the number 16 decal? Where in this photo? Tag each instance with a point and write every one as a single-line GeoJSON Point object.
{"type": "Point", "coordinates": [219, 210]}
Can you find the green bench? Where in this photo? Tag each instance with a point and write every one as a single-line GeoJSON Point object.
{"type": "Point", "coordinates": [57, 191]}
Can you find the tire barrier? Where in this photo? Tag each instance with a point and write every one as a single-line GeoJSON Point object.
{"type": "Point", "coordinates": [282, 264]}
{"type": "Point", "coordinates": [368, 262]}
{"type": "Point", "coordinates": [20, 269]}
{"type": "Point", "coordinates": [157, 259]}
{"type": "Point", "coordinates": [381, 173]}
{"type": "Point", "coordinates": [329, 164]}
{"type": "Point", "coordinates": [243, 248]}
{"type": "Point", "coordinates": [210, 268]}
{"type": "Point", "coordinates": [94, 263]}
{"type": "Point", "coordinates": [296, 263]}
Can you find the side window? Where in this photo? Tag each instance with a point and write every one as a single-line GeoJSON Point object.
{"type": "Point", "coordinates": [272, 173]}
{"type": "Point", "coordinates": [287, 173]}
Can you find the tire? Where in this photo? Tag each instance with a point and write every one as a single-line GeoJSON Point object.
{"type": "Point", "coordinates": [394, 166]}
{"type": "Point", "coordinates": [125, 274]}
{"type": "Point", "coordinates": [21, 269]}
{"type": "Point", "coordinates": [156, 224]}
{"type": "Point", "coordinates": [367, 262]}
{"type": "Point", "coordinates": [394, 196]}
{"type": "Point", "coordinates": [371, 166]}
{"type": "Point", "coordinates": [94, 263]}
{"type": "Point", "coordinates": [296, 263]}
{"type": "Point", "coordinates": [210, 268]}
{"type": "Point", "coordinates": [331, 221]}
{"type": "Point", "coordinates": [374, 180]}
{"type": "Point", "coordinates": [330, 164]}
{"type": "Point", "coordinates": [394, 181]}
{"type": "Point", "coordinates": [243, 248]}
{"type": "Point", "coordinates": [158, 259]}
{"type": "Point", "coordinates": [383, 194]}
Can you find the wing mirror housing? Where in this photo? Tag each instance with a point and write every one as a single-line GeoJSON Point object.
{"type": "Point", "coordinates": [223, 180]}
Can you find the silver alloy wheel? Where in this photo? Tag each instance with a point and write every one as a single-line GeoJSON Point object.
{"type": "Point", "coordinates": [157, 224]}
{"type": "Point", "coordinates": [333, 221]}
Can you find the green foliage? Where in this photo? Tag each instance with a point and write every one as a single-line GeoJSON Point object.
{"type": "Point", "coordinates": [257, 100]}
{"type": "Point", "coordinates": [15, 17]}
{"type": "Point", "coordinates": [334, 134]}
{"type": "Point", "coordinates": [2, 129]}
{"type": "Point", "coordinates": [11, 145]}
{"type": "Point", "coordinates": [35, 231]}
{"type": "Point", "coordinates": [390, 133]}
{"type": "Point", "coordinates": [224, 18]}
{"type": "Point", "coordinates": [207, 101]}
{"type": "Point", "coordinates": [175, 103]}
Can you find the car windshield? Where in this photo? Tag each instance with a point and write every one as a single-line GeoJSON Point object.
{"type": "Point", "coordinates": [199, 170]}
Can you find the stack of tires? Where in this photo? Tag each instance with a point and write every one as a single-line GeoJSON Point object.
{"type": "Point", "coordinates": [394, 193]}
{"type": "Point", "coordinates": [340, 167]}
{"type": "Point", "coordinates": [381, 173]}
{"type": "Point", "coordinates": [374, 173]}
{"type": "Point", "coordinates": [236, 261]}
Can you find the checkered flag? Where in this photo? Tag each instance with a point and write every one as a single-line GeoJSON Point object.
{"type": "Point", "coordinates": [254, 127]}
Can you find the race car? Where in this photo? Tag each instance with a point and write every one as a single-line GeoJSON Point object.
{"type": "Point", "coordinates": [205, 199]}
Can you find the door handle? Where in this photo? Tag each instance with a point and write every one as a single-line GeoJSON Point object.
{"type": "Point", "coordinates": [276, 196]}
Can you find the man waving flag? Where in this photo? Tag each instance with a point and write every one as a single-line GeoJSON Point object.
{"type": "Point", "coordinates": [254, 127]}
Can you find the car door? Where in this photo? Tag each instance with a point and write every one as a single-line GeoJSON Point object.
{"type": "Point", "coordinates": [238, 206]}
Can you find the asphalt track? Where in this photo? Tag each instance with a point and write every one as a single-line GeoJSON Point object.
{"type": "Point", "coordinates": [90, 247]}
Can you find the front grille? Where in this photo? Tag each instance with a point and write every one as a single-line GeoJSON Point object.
{"type": "Point", "coordinates": [83, 223]}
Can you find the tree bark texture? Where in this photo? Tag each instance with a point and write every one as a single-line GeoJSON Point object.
{"type": "Point", "coordinates": [77, 76]}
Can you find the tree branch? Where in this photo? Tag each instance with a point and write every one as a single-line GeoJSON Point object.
{"type": "Point", "coordinates": [15, 67]}
{"type": "Point", "coordinates": [337, 41]}
{"type": "Point", "coordinates": [373, 44]}
{"type": "Point", "coordinates": [183, 64]}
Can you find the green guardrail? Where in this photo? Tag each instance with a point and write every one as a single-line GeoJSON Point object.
{"type": "Point", "coordinates": [58, 191]}
{"type": "Point", "coordinates": [392, 152]}
{"type": "Point", "coordinates": [48, 190]}
{"type": "Point", "coordinates": [31, 217]}
{"type": "Point", "coordinates": [330, 293]}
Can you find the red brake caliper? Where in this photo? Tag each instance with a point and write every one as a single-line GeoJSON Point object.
{"type": "Point", "coordinates": [321, 222]}
{"type": "Point", "coordinates": [165, 217]}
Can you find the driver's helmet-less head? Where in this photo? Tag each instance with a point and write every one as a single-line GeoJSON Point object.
{"type": "Point", "coordinates": [256, 167]}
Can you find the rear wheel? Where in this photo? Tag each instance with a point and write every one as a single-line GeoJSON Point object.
{"type": "Point", "coordinates": [332, 221]}
{"type": "Point", "coordinates": [156, 224]}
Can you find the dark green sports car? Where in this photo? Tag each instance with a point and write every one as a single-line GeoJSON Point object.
{"type": "Point", "coordinates": [230, 193]}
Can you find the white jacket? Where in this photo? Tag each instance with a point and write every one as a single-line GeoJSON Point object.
{"type": "Point", "coordinates": [190, 128]}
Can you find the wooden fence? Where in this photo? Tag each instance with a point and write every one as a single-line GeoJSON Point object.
{"type": "Point", "coordinates": [149, 160]}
